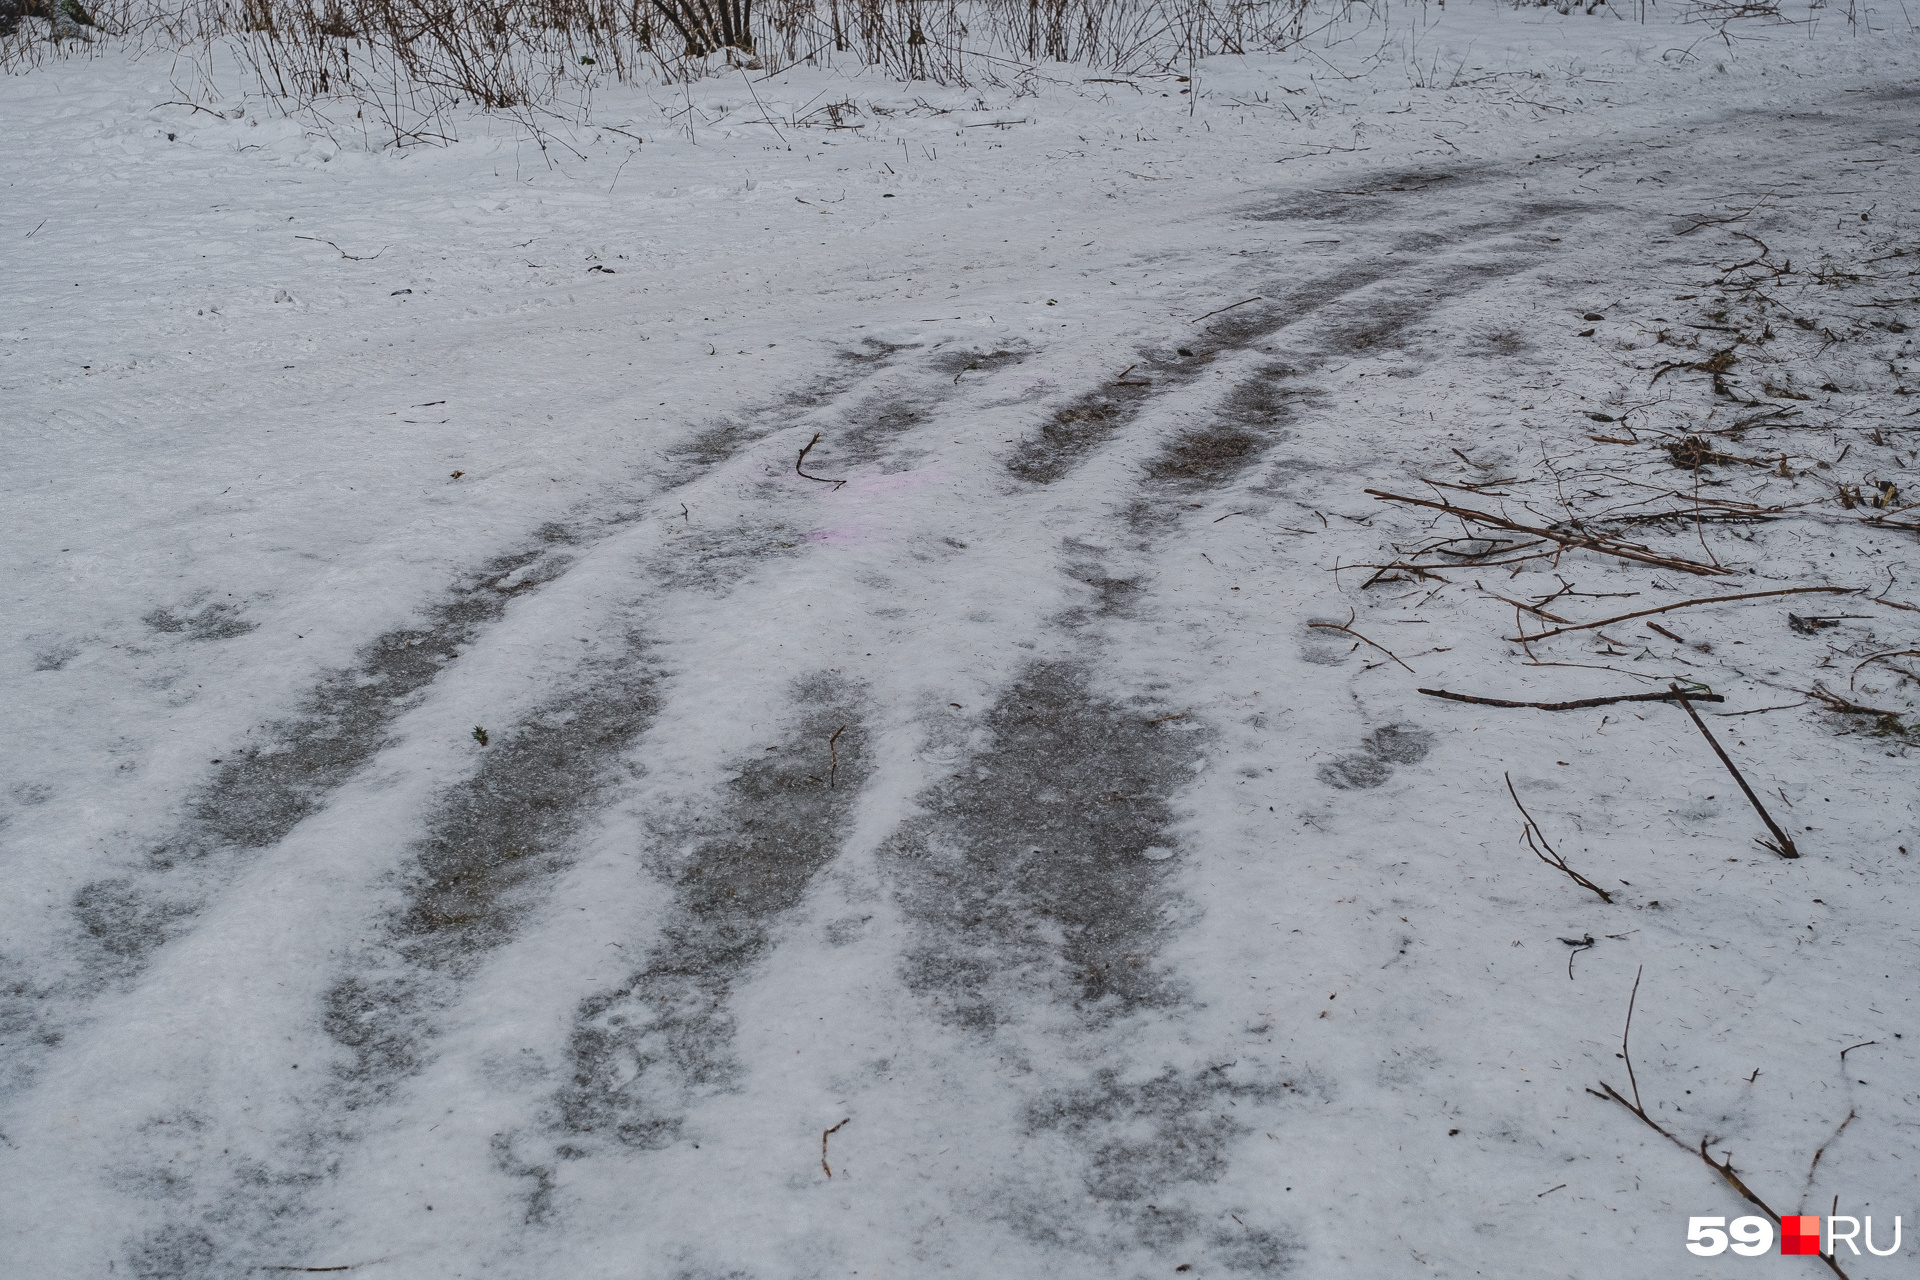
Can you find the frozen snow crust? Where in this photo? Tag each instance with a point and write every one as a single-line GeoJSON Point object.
{"type": "Point", "coordinates": [997, 789]}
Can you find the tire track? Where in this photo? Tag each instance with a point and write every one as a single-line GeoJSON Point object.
{"type": "Point", "coordinates": [496, 841]}
{"type": "Point", "coordinates": [260, 794]}
{"type": "Point", "coordinates": [1341, 312]}
{"type": "Point", "coordinates": [644, 1052]}
{"type": "Point", "coordinates": [1045, 870]}
{"type": "Point", "coordinates": [1057, 894]}
{"type": "Point", "coordinates": [1041, 867]}
{"type": "Point", "coordinates": [1042, 881]}
{"type": "Point", "coordinates": [1060, 893]}
{"type": "Point", "coordinates": [493, 841]}
{"type": "Point", "coordinates": [258, 797]}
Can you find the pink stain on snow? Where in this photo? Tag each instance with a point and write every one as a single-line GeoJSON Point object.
{"type": "Point", "coordinates": [866, 505]}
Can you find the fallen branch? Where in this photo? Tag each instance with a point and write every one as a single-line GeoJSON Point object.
{"type": "Point", "coordinates": [1851, 1115]}
{"type": "Point", "coordinates": [1347, 627]}
{"type": "Point", "coordinates": [1588, 541]}
{"type": "Point", "coordinates": [1889, 720]}
{"type": "Point", "coordinates": [1496, 547]}
{"type": "Point", "coordinates": [1711, 222]}
{"type": "Point", "coordinates": [1229, 307]}
{"type": "Point", "coordinates": [1483, 490]}
{"type": "Point", "coordinates": [1684, 604]}
{"type": "Point", "coordinates": [801, 461]}
{"type": "Point", "coordinates": [1785, 846]}
{"type": "Point", "coordinates": [1575, 705]}
{"type": "Point", "coordinates": [1626, 1054]}
{"type": "Point", "coordinates": [1551, 857]}
{"type": "Point", "coordinates": [342, 252]}
{"type": "Point", "coordinates": [217, 115]}
{"type": "Point", "coordinates": [825, 1134]}
{"type": "Point", "coordinates": [1420, 573]}
{"type": "Point", "coordinates": [1760, 261]}
{"type": "Point", "coordinates": [833, 751]}
{"type": "Point", "coordinates": [1530, 608]}
{"type": "Point", "coordinates": [1891, 653]}
{"type": "Point", "coordinates": [1578, 944]}
{"type": "Point", "coordinates": [1722, 1167]}
{"type": "Point", "coordinates": [1705, 514]}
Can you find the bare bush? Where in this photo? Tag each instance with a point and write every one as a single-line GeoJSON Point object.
{"type": "Point", "coordinates": [412, 59]}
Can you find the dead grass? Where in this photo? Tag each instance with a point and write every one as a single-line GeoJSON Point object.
{"type": "Point", "coordinates": [412, 60]}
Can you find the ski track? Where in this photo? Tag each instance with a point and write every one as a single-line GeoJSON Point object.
{"type": "Point", "coordinates": [1040, 902]}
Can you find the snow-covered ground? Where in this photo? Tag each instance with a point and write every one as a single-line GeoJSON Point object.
{"type": "Point", "coordinates": [476, 804]}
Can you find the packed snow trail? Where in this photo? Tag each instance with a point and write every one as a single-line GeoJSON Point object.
{"type": "Point", "coordinates": [858, 792]}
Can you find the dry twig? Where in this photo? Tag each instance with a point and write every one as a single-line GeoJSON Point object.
{"type": "Point", "coordinates": [1684, 604]}
{"type": "Point", "coordinates": [1552, 857]}
{"type": "Point", "coordinates": [1607, 546]}
{"type": "Point", "coordinates": [1891, 653]}
{"type": "Point", "coordinates": [1229, 307]}
{"type": "Point", "coordinates": [1530, 608]}
{"type": "Point", "coordinates": [1574, 705]}
{"type": "Point", "coordinates": [1851, 1113]}
{"type": "Point", "coordinates": [1722, 1167]}
{"type": "Point", "coordinates": [1889, 720]}
{"type": "Point", "coordinates": [1785, 846]}
{"type": "Point", "coordinates": [1348, 628]}
{"type": "Point", "coordinates": [802, 459]}
{"type": "Point", "coordinates": [824, 1135]}
{"type": "Point", "coordinates": [342, 252]}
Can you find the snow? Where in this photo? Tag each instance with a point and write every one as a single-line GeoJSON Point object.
{"type": "Point", "coordinates": [994, 794]}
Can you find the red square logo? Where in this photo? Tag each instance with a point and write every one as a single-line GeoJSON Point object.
{"type": "Point", "coordinates": [1800, 1234]}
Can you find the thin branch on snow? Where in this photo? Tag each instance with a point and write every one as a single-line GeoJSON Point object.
{"type": "Point", "coordinates": [1552, 857]}
{"type": "Point", "coordinates": [1684, 604]}
{"type": "Point", "coordinates": [800, 462]}
{"type": "Point", "coordinates": [1784, 846]}
{"type": "Point", "coordinates": [1348, 628]}
{"type": "Point", "coordinates": [825, 1134]}
{"type": "Point", "coordinates": [1576, 704]}
{"type": "Point", "coordinates": [1723, 1167]}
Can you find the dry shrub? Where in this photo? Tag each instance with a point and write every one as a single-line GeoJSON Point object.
{"type": "Point", "coordinates": [413, 59]}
